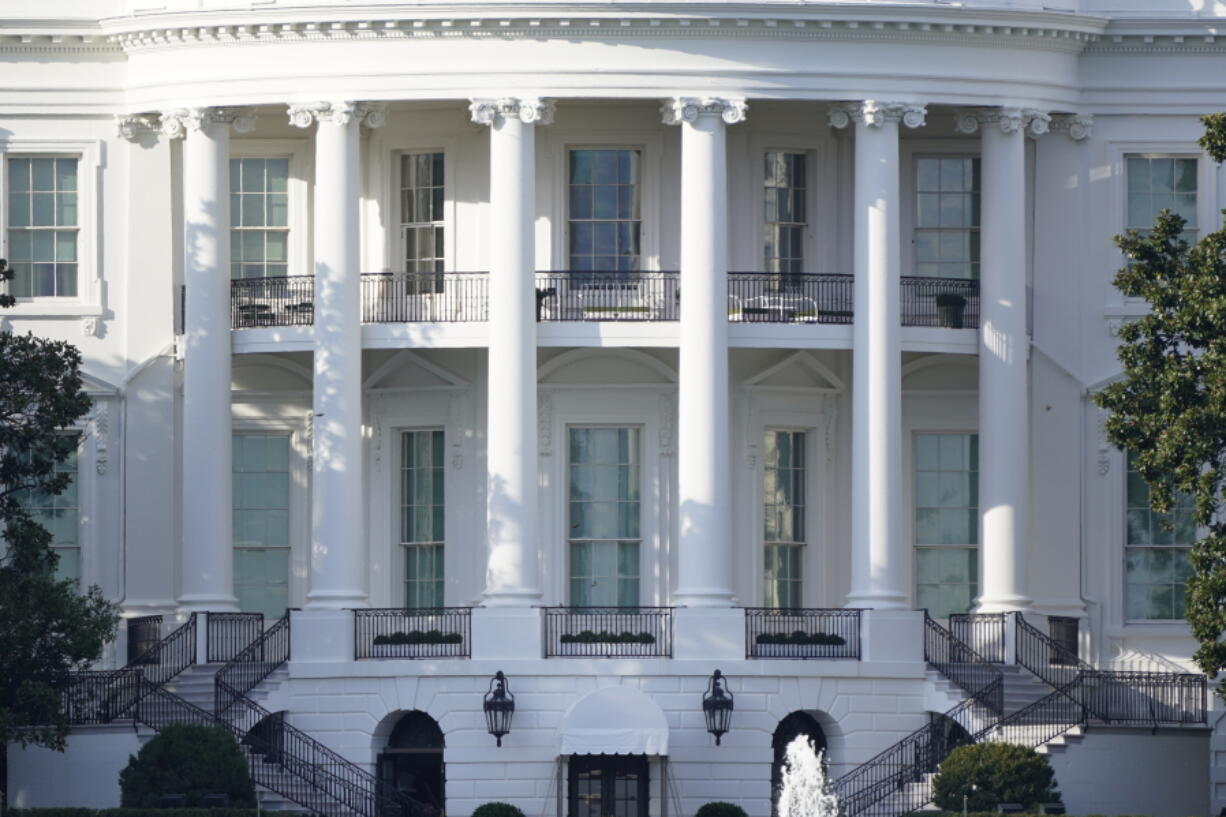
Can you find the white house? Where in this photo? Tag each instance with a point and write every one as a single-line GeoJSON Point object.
{"type": "Point", "coordinates": [753, 328]}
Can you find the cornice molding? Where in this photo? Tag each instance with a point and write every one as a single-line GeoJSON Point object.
{"type": "Point", "coordinates": [1028, 30]}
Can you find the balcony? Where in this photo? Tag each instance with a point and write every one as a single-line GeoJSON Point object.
{"type": "Point", "coordinates": [463, 297]}
{"type": "Point", "coordinates": [418, 632]}
{"type": "Point", "coordinates": [609, 632]}
{"type": "Point", "coordinates": [801, 633]}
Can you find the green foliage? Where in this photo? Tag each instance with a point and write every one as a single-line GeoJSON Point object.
{"type": "Point", "coordinates": [1214, 140]}
{"type": "Point", "coordinates": [999, 773]}
{"type": "Point", "coordinates": [801, 637]}
{"type": "Point", "coordinates": [190, 760]}
{"type": "Point", "coordinates": [497, 809]}
{"type": "Point", "coordinates": [606, 637]}
{"type": "Point", "coordinates": [1169, 408]}
{"type": "Point", "coordinates": [50, 627]}
{"type": "Point", "coordinates": [719, 808]}
{"type": "Point", "coordinates": [419, 637]}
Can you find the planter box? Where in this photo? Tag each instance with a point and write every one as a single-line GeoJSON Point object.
{"type": "Point", "coordinates": [801, 651]}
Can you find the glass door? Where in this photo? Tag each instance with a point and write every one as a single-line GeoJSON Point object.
{"type": "Point", "coordinates": [608, 786]}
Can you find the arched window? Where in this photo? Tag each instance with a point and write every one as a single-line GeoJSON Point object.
{"type": "Point", "coordinates": [798, 723]}
{"type": "Point", "coordinates": [412, 761]}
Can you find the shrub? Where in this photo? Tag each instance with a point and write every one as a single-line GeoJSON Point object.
{"type": "Point", "coordinates": [1000, 773]}
{"type": "Point", "coordinates": [190, 760]}
{"type": "Point", "coordinates": [801, 637]}
{"type": "Point", "coordinates": [606, 637]}
{"type": "Point", "coordinates": [419, 637]}
{"type": "Point", "coordinates": [719, 808]}
{"type": "Point", "coordinates": [497, 809]}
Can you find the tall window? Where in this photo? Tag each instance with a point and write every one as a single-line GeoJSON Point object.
{"type": "Point", "coordinates": [1155, 556]}
{"type": "Point", "coordinates": [946, 522]}
{"type": "Point", "coordinates": [1157, 183]}
{"type": "Point", "coordinates": [60, 515]}
{"type": "Point", "coordinates": [605, 217]}
{"type": "Point", "coordinates": [43, 226]}
{"type": "Point", "coordinates": [421, 212]}
{"type": "Point", "coordinates": [783, 498]}
{"type": "Point", "coordinates": [785, 217]}
{"type": "Point", "coordinates": [421, 516]}
{"type": "Point", "coordinates": [259, 219]}
{"type": "Point", "coordinates": [604, 517]}
{"type": "Point", "coordinates": [947, 217]}
{"type": "Point", "coordinates": [261, 523]}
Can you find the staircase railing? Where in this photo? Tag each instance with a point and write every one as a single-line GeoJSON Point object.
{"type": "Point", "coordinates": [251, 665]}
{"type": "Point", "coordinates": [330, 778]}
{"type": "Point", "coordinates": [961, 664]}
{"type": "Point", "coordinates": [1112, 696]}
{"type": "Point", "coordinates": [170, 656]}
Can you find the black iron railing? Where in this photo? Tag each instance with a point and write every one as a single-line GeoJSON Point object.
{"type": "Point", "coordinates": [412, 297]}
{"type": "Point", "coordinates": [280, 301]}
{"type": "Point", "coordinates": [1054, 663]}
{"type": "Point", "coordinates": [801, 633]}
{"type": "Point", "coordinates": [143, 633]}
{"type": "Point", "coordinates": [790, 297]}
{"type": "Point", "coordinates": [961, 664]}
{"type": "Point", "coordinates": [422, 632]}
{"type": "Point", "coordinates": [608, 632]}
{"type": "Point", "coordinates": [228, 634]}
{"type": "Point", "coordinates": [952, 303]}
{"type": "Point", "coordinates": [984, 632]}
{"type": "Point", "coordinates": [1036, 724]}
{"type": "Point", "coordinates": [563, 295]}
{"type": "Point", "coordinates": [251, 665]}
{"type": "Point", "coordinates": [170, 656]}
{"type": "Point", "coordinates": [1151, 698]}
{"type": "Point", "coordinates": [96, 697]}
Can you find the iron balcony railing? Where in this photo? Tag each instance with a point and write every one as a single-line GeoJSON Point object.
{"type": "Point", "coordinates": [228, 634]}
{"type": "Point", "coordinates": [984, 632]}
{"type": "Point", "coordinates": [418, 632]}
{"type": "Point", "coordinates": [281, 301]}
{"type": "Point", "coordinates": [801, 633]}
{"type": "Point", "coordinates": [143, 633]}
{"type": "Point", "coordinates": [787, 297]}
{"type": "Point", "coordinates": [251, 665]}
{"type": "Point", "coordinates": [952, 303]}
{"type": "Point", "coordinates": [609, 632]}
{"type": "Point", "coordinates": [416, 297]}
{"type": "Point", "coordinates": [96, 697]}
{"type": "Point", "coordinates": [569, 295]}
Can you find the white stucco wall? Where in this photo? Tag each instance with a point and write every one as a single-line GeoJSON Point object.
{"type": "Point", "coordinates": [86, 774]}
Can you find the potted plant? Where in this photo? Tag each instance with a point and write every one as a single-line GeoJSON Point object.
{"type": "Point", "coordinates": [949, 309]}
{"type": "Point", "coordinates": [797, 644]}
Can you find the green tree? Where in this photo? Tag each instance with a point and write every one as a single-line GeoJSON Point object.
{"type": "Point", "coordinates": [1169, 408]}
{"type": "Point", "coordinates": [992, 773]}
{"type": "Point", "coordinates": [50, 628]}
{"type": "Point", "coordinates": [187, 759]}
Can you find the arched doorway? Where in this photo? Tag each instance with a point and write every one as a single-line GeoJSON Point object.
{"type": "Point", "coordinates": [798, 723]}
{"type": "Point", "coordinates": [412, 761]}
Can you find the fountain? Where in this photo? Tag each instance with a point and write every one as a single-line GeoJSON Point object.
{"type": "Point", "coordinates": [805, 791]}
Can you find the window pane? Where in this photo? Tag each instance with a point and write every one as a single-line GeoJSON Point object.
{"type": "Point", "coordinates": [261, 522]}
{"type": "Point", "coordinates": [422, 215]}
{"type": "Point", "coordinates": [604, 210]}
{"type": "Point", "coordinates": [1156, 552]}
{"type": "Point", "coordinates": [946, 513]}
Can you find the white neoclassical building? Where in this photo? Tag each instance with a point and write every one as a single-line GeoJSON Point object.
{"type": "Point", "coordinates": [669, 359]}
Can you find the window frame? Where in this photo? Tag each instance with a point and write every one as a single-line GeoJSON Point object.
{"type": "Point", "coordinates": [809, 242]}
{"type": "Point", "coordinates": [909, 151]}
{"type": "Point", "coordinates": [911, 466]}
{"type": "Point", "coordinates": [566, 210]}
{"type": "Point", "coordinates": [382, 243]}
{"type": "Point", "coordinates": [400, 559]}
{"type": "Point", "coordinates": [399, 224]}
{"type": "Point", "coordinates": [88, 153]}
{"type": "Point", "coordinates": [1126, 546]}
{"type": "Point", "coordinates": [298, 254]}
{"type": "Point", "coordinates": [801, 545]}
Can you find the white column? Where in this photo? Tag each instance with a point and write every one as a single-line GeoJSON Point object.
{"type": "Point", "coordinates": [1004, 348]}
{"type": "Point", "coordinates": [511, 450]}
{"type": "Point", "coordinates": [337, 575]}
{"type": "Point", "coordinates": [704, 440]}
{"type": "Point", "coordinates": [208, 567]}
{"type": "Point", "coordinates": [880, 556]}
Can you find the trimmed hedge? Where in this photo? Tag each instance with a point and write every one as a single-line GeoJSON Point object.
{"type": "Point", "coordinates": [801, 637]}
{"type": "Point", "coordinates": [194, 761]}
{"type": "Point", "coordinates": [497, 809]}
{"type": "Point", "coordinates": [992, 773]}
{"type": "Point", "coordinates": [419, 637]}
{"type": "Point", "coordinates": [606, 637]}
{"type": "Point", "coordinates": [719, 808]}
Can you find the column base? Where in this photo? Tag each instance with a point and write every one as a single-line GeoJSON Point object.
{"type": "Point", "coordinates": [514, 633]}
{"type": "Point", "coordinates": [336, 600]}
{"type": "Point", "coordinates": [709, 634]}
{"type": "Point", "coordinates": [703, 597]}
{"type": "Point", "coordinates": [204, 603]}
{"type": "Point", "coordinates": [1003, 604]}
{"type": "Point", "coordinates": [511, 598]}
{"type": "Point", "coordinates": [321, 635]}
{"type": "Point", "coordinates": [874, 600]}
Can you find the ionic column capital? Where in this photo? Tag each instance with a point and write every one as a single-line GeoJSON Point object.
{"type": "Point", "coordinates": [133, 126]}
{"type": "Point", "coordinates": [1010, 120]}
{"type": "Point", "coordinates": [530, 111]}
{"type": "Point", "coordinates": [178, 121]}
{"type": "Point", "coordinates": [338, 112]}
{"type": "Point", "coordinates": [688, 109]}
{"type": "Point", "coordinates": [874, 114]}
{"type": "Point", "coordinates": [1075, 125]}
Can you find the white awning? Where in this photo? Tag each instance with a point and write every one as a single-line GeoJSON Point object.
{"type": "Point", "coordinates": [614, 721]}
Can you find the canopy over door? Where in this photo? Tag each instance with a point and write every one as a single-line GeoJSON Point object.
{"type": "Point", "coordinates": [614, 721]}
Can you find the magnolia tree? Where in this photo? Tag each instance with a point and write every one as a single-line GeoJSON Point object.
{"type": "Point", "coordinates": [805, 791]}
